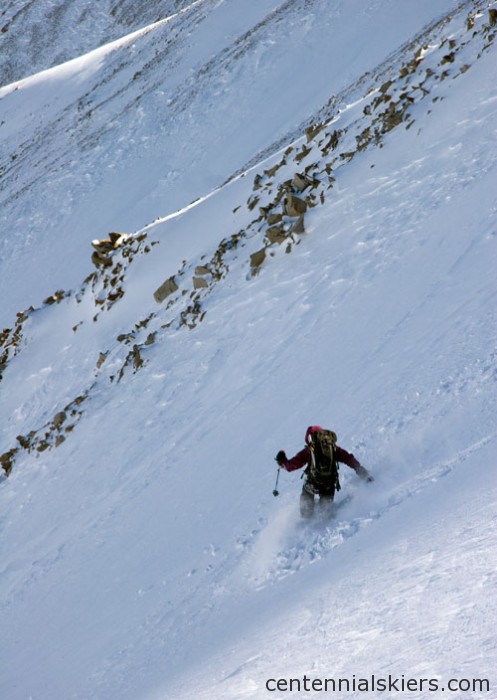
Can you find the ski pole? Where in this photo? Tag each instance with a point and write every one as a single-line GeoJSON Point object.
{"type": "Point", "coordinates": [275, 490]}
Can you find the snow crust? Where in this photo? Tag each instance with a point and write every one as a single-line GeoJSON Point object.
{"type": "Point", "coordinates": [145, 556]}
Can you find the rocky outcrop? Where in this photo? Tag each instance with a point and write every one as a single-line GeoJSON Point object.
{"type": "Point", "coordinates": [105, 247]}
{"type": "Point", "coordinates": [50, 435]}
{"type": "Point", "coordinates": [10, 339]}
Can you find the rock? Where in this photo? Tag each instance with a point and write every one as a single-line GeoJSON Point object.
{"type": "Point", "coordinates": [332, 142]}
{"type": "Point", "coordinates": [298, 226]}
{"type": "Point", "coordinates": [24, 442]}
{"type": "Point", "coordinates": [55, 298]}
{"type": "Point", "coordinates": [7, 460]}
{"type": "Point", "coordinates": [252, 202]}
{"type": "Point", "coordinates": [103, 246]}
{"type": "Point", "coordinates": [100, 260]}
{"type": "Point", "coordinates": [392, 117]}
{"type": "Point", "coordinates": [137, 358]}
{"type": "Point", "coordinates": [167, 288]}
{"type": "Point", "coordinates": [112, 297]}
{"type": "Point", "coordinates": [79, 399]}
{"type": "Point", "coordinates": [125, 337]}
{"type": "Point", "coordinates": [117, 239]}
{"type": "Point", "coordinates": [101, 359]}
{"type": "Point", "coordinates": [312, 131]}
{"type": "Point", "coordinates": [448, 58]}
{"type": "Point", "coordinates": [199, 283]}
{"type": "Point", "coordinates": [302, 153]}
{"type": "Point", "coordinates": [273, 219]}
{"type": "Point", "coordinates": [257, 258]}
{"type": "Point", "coordinates": [492, 17]}
{"type": "Point", "coordinates": [294, 206]}
{"type": "Point", "coordinates": [301, 182]}
{"type": "Point", "coordinates": [271, 172]}
{"type": "Point", "coordinates": [383, 88]}
{"type": "Point", "coordinates": [202, 270]}
{"type": "Point", "coordinates": [276, 234]}
{"type": "Point", "coordinates": [59, 418]}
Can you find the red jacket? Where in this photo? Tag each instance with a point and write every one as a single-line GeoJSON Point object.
{"type": "Point", "coordinates": [303, 458]}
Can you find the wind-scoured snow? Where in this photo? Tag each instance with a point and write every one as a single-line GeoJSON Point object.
{"type": "Point", "coordinates": [143, 554]}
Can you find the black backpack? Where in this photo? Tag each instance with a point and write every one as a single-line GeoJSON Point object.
{"type": "Point", "coordinates": [324, 466]}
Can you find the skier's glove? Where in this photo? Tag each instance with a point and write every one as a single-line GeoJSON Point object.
{"type": "Point", "coordinates": [281, 458]}
{"type": "Point", "coordinates": [363, 473]}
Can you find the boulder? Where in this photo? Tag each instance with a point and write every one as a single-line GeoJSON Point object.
{"type": "Point", "coordinates": [168, 287]}
{"type": "Point", "coordinates": [273, 219]}
{"type": "Point", "coordinates": [100, 260]}
{"type": "Point", "coordinates": [298, 226]}
{"type": "Point", "coordinates": [7, 460]}
{"type": "Point", "coordinates": [199, 283]}
{"type": "Point", "coordinates": [257, 258]}
{"type": "Point", "coordinates": [59, 419]}
{"type": "Point", "coordinates": [300, 182]}
{"type": "Point", "coordinates": [117, 239]}
{"type": "Point", "coordinates": [276, 234]}
{"type": "Point", "coordinates": [294, 206]}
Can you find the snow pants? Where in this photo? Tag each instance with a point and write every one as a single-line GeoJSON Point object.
{"type": "Point", "coordinates": [310, 490]}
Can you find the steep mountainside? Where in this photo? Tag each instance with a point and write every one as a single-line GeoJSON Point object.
{"type": "Point", "coordinates": [347, 279]}
{"type": "Point", "coordinates": [139, 128]}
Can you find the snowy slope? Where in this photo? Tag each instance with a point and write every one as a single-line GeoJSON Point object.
{"type": "Point", "coordinates": [38, 35]}
{"type": "Point", "coordinates": [139, 128]}
{"type": "Point", "coordinates": [143, 556]}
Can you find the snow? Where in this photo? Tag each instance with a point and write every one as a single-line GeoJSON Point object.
{"type": "Point", "coordinates": [145, 556]}
{"type": "Point", "coordinates": [117, 138]}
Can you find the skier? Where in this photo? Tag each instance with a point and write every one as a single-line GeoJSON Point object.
{"type": "Point", "coordinates": [320, 457]}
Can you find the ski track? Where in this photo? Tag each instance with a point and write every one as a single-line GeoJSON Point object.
{"type": "Point", "coordinates": [286, 545]}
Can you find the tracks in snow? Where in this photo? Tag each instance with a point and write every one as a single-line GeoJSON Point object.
{"type": "Point", "coordinates": [287, 545]}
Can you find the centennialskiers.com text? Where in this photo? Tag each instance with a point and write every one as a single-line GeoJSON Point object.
{"type": "Point", "coordinates": [380, 684]}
